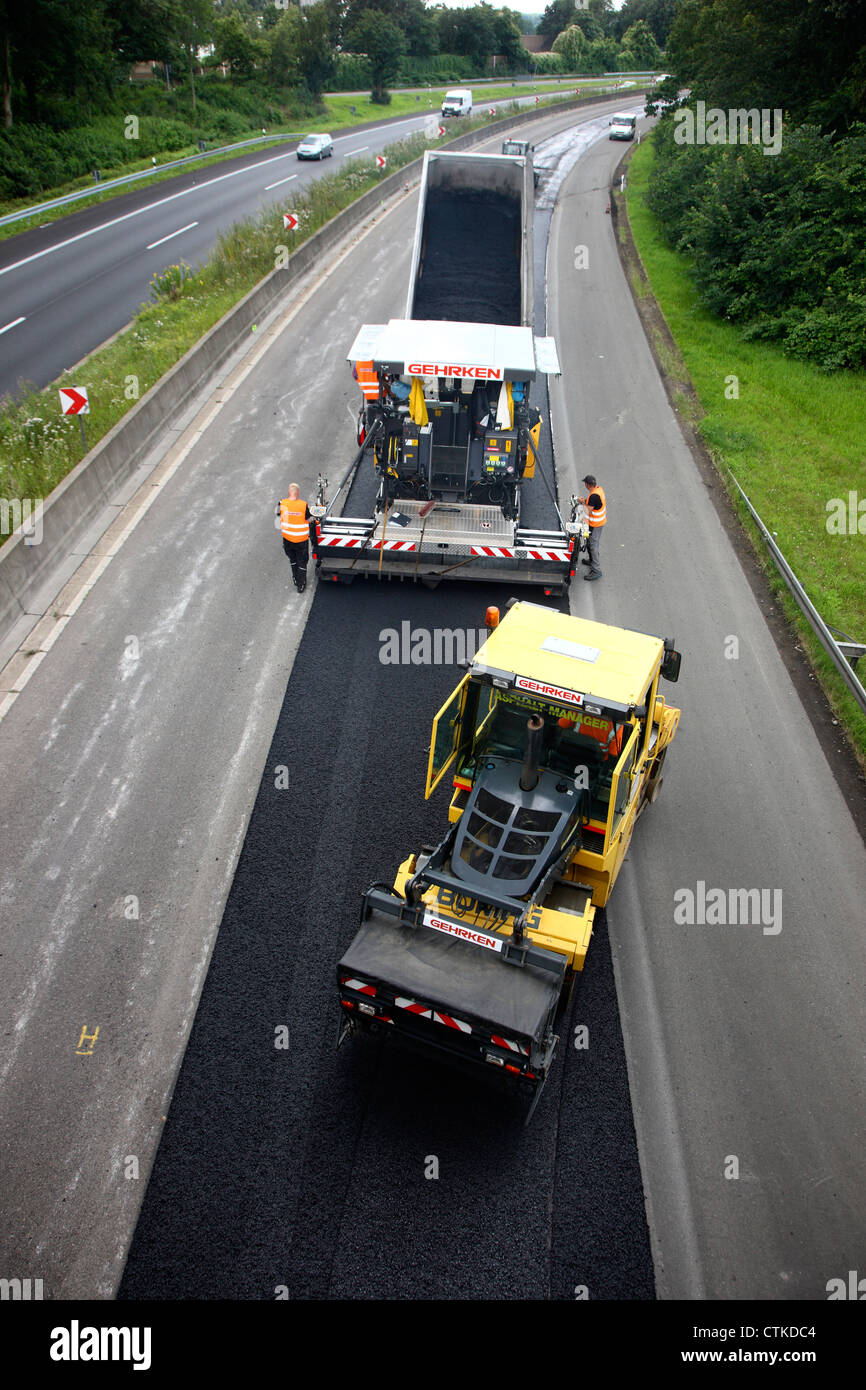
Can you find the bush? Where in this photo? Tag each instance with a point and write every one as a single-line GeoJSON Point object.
{"type": "Point", "coordinates": [778, 243]}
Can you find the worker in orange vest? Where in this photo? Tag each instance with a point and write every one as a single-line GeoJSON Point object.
{"type": "Point", "coordinates": [296, 524]}
{"type": "Point", "coordinates": [604, 731]}
{"type": "Point", "coordinates": [596, 507]}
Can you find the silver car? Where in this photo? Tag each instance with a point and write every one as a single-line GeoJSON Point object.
{"type": "Point", "coordinates": [316, 147]}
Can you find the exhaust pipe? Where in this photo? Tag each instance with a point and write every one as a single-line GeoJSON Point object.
{"type": "Point", "coordinates": [529, 775]}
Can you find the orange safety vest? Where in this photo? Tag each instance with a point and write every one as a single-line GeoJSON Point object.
{"type": "Point", "coordinates": [367, 378]}
{"type": "Point", "coordinates": [293, 520]}
{"type": "Point", "coordinates": [593, 726]}
{"type": "Point", "coordinates": [599, 516]}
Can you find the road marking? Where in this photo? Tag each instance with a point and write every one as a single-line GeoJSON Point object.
{"type": "Point", "coordinates": [12, 324]}
{"type": "Point", "coordinates": [148, 492]}
{"type": "Point", "coordinates": [269, 186]}
{"type": "Point", "coordinates": [115, 221]}
{"type": "Point", "coordinates": [349, 153]}
{"type": "Point", "coordinates": [180, 230]}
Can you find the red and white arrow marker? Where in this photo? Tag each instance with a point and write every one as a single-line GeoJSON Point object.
{"type": "Point", "coordinates": [491, 110]}
{"type": "Point", "coordinates": [381, 161]}
{"type": "Point", "coordinates": [537, 100]}
{"type": "Point", "coordinates": [442, 130]}
{"type": "Point", "coordinates": [73, 400]}
{"type": "Point", "coordinates": [290, 221]}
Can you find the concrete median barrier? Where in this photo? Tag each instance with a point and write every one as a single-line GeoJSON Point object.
{"type": "Point", "coordinates": [76, 503]}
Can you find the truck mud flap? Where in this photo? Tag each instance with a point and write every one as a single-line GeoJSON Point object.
{"type": "Point", "coordinates": [442, 994]}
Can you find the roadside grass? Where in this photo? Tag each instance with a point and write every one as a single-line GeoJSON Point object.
{"type": "Point", "coordinates": [794, 437]}
{"type": "Point", "coordinates": [38, 446]}
{"type": "Point", "coordinates": [337, 115]}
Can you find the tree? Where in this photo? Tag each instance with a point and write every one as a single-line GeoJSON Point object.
{"type": "Point", "coordinates": [638, 41]}
{"type": "Point", "coordinates": [573, 46]}
{"type": "Point", "coordinates": [378, 37]}
{"type": "Point", "coordinates": [315, 49]}
{"type": "Point", "coordinates": [236, 46]}
{"type": "Point", "coordinates": [659, 15]}
{"type": "Point", "coordinates": [556, 18]}
{"type": "Point", "coordinates": [284, 42]}
{"type": "Point", "coordinates": [806, 57]}
{"type": "Point", "coordinates": [194, 27]}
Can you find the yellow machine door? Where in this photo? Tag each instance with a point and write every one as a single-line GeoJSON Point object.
{"type": "Point", "coordinates": [446, 736]}
{"type": "Point", "coordinates": [624, 786]}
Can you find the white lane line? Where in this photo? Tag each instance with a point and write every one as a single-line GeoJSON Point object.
{"type": "Point", "coordinates": [6, 328]}
{"type": "Point", "coordinates": [115, 221]}
{"type": "Point", "coordinates": [269, 186]}
{"type": "Point", "coordinates": [148, 492]}
{"type": "Point", "coordinates": [349, 153]}
{"type": "Point", "coordinates": [187, 228]}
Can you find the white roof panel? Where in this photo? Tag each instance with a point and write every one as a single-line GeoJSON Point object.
{"type": "Point", "coordinates": [430, 347]}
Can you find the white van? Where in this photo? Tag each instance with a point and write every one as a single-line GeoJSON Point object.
{"type": "Point", "coordinates": [623, 126]}
{"type": "Point", "coordinates": [458, 102]}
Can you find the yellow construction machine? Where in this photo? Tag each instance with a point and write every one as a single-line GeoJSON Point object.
{"type": "Point", "coordinates": [555, 739]}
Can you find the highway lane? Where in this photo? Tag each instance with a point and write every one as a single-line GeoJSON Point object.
{"type": "Point", "coordinates": [744, 1037]}
{"type": "Point", "coordinates": [70, 285]}
{"type": "Point", "coordinates": [131, 763]}
{"type": "Point", "coordinates": [77, 281]}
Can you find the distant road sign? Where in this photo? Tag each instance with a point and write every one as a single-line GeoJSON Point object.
{"type": "Point", "coordinates": [290, 221]}
{"type": "Point", "coordinates": [73, 400]}
{"type": "Point", "coordinates": [442, 130]}
{"type": "Point", "coordinates": [381, 161]}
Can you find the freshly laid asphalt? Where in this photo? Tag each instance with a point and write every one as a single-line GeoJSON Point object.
{"type": "Point", "coordinates": [304, 1167]}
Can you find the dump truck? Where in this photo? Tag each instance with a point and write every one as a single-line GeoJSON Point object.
{"type": "Point", "coordinates": [446, 414]}
{"type": "Point", "coordinates": [555, 739]}
{"type": "Point", "coordinates": [526, 151]}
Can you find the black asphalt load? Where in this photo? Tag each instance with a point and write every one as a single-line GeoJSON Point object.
{"type": "Point", "coordinates": [472, 272]}
{"type": "Point", "coordinates": [374, 1172]}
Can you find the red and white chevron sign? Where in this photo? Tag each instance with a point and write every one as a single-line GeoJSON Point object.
{"type": "Point", "coordinates": [290, 221]}
{"type": "Point", "coordinates": [381, 161]}
{"type": "Point", "coordinates": [73, 400]}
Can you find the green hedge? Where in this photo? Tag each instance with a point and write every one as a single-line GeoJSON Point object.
{"type": "Point", "coordinates": [777, 242]}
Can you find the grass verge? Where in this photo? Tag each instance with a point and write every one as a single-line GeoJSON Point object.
{"type": "Point", "coordinates": [38, 446]}
{"type": "Point", "coordinates": [341, 111]}
{"type": "Point", "coordinates": [794, 437]}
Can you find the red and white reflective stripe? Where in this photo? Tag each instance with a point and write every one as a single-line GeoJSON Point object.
{"type": "Point", "coordinates": [451, 1022]}
{"type": "Point", "coordinates": [509, 1045]}
{"type": "Point", "coordinates": [354, 542]}
{"type": "Point", "coordinates": [507, 550]}
{"type": "Point", "coordinates": [413, 1007]}
{"type": "Point", "coordinates": [359, 985]}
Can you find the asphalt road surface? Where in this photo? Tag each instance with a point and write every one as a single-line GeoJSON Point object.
{"type": "Point", "coordinates": [132, 770]}
{"type": "Point", "coordinates": [132, 759]}
{"type": "Point", "coordinates": [69, 285]}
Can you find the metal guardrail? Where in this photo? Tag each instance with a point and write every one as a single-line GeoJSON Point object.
{"type": "Point", "coordinates": [837, 651]}
{"type": "Point", "coordinates": [119, 182]}
{"type": "Point", "coordinates": [123, 179]}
